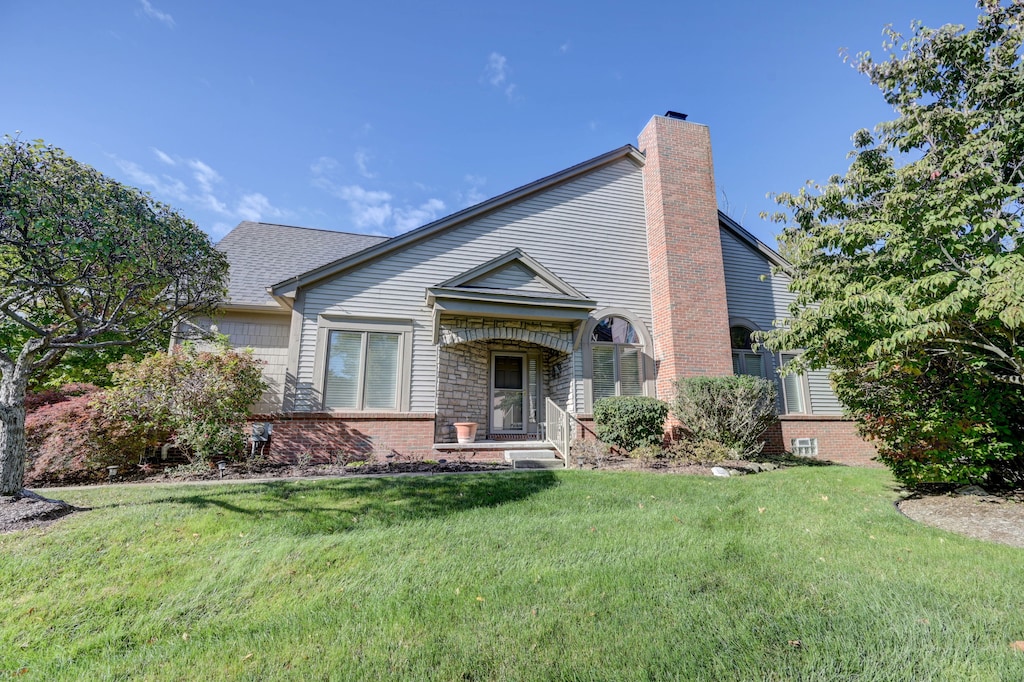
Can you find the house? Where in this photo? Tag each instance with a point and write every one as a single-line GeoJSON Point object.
{"type": "Point", "coordinates": [612, 277]}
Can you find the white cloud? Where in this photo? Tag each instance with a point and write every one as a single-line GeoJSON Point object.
{"type": "Point", "coordinates": [323, 165]}
{"type": "Point", "coordinates": [203, 174]}
{"type": "Point", "coordinates": [362, 158]}
{"type": "Point", "coordinates": [167, 187]}
{"type": "Point", "coordinates": [564, 47]}
{"type": "Point", "coordinates": [372, 210]}
{"type": "Point", "coordinates": [409, 218]}
{"type": "Point", "coordinates": [153, 13]}
{"type": "Point", "coordinates": [164, 157]}
{"type": "Point", "coordinates": [497, 74]}
{"type": "Point", "coordinates": [196, 190]}
{"type": "Point", "coordinates": [256, 207]}
{"type": "Point", "coordinates": [472, 195]}
{"type": "Point", "coordinates": [497, 69]}
{"type": "Point", "coordinates": [219, 230]}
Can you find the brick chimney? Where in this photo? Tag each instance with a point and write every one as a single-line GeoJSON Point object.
{"type": "Point", "coordinates": [691, 318]}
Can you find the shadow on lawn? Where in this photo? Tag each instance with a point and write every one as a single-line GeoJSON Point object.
{"type": "Point", "coordinates": [308, 508]}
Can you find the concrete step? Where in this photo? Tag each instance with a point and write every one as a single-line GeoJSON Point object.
{"type": "Point", "coordinates": [534, 459]}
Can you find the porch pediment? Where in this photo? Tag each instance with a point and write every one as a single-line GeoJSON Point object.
{"type": "Point", "coordinates": [513, 286]}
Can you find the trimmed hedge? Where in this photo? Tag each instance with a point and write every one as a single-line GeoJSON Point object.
{"type": "Point", "coordinates": [630, 422]}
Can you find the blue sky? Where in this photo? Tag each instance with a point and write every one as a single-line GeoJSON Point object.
{"type": "Point", "coordinates": [378, 117]}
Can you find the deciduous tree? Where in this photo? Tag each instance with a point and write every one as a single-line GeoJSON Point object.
{"type": "Point", "coordinates": [86, 263]}
{"type": "Point", "coordinates": [913, 262]}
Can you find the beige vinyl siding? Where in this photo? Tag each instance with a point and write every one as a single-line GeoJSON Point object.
{"type": "Point", "coordinates": [762, 301]}
{"type": "Point", "coordinates": [267, 336]}
{"type": "Point", "coordinates": [514, 277]}
{"type": "Point", "coordinates": [589, 231]}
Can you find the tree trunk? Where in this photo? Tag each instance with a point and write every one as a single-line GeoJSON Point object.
{"type": "Point", "coordinates": [12, 432]}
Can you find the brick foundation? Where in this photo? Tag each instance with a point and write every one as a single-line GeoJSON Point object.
{"type": "Point", "coordinates": [838, 440]}
{"type": "Point", "coordinates": [362, 435]}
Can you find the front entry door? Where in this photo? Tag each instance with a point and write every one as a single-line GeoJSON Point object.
{"type": "Point", "coordinates": [508, 394]}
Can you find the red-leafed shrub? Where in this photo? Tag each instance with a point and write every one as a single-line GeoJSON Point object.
{"type": "Point", "coordinates": [69, 439]}
{"type": "Point", "coordinates": [34, 401]}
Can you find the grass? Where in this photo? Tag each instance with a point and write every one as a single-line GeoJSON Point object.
{"type": "Point", "coordinates": [800, 574]}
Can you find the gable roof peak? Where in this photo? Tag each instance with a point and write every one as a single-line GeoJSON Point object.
{"type": "Point", "coordinates": [477, 277]}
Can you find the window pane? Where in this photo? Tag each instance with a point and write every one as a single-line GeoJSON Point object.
{"type": "Point", "coordinates": [735, 363]}
{"type": "Point", "coordinates": [381, 390]}
{"type": "Point", "coordinates": [604, 372]}
{"type": "Point", "coordinates": [615, 330]}
{"type": "Point", "coordinates": [753, 364]}
{"type": "Point", "coordinates": [793, 389]}
{"type": "Point", "coordinates": [629, 372]}
{"type": "Point", "coordinates": [739, 337]}
{"type": "Point", "coordinates": [341, 387]}
{"type": "Point", "coordinates": [508, 372]}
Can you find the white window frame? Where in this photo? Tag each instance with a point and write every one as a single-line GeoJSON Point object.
{"type": "Point", "coordinates": [328, 323]}
{"type": "Point", "coordinates": [644, 345]}
{"type": "Point", "coordinates": [804, 387]}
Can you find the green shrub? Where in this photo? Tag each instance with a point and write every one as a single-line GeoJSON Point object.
{"type": "Point", "coordinates": [692, 451]}
{"type": "Point", "coordinates": [733, 410]}
{"type": "Point", "coordinates": [933, 423]}
{"type": "Point", "coordinates": [647, 454]}
{"type": "Point", "coordinates": [630, 422]}
{"type": "Point", "coordinates": [203, 396]}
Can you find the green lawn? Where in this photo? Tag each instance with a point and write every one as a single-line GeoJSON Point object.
{"type": "Point", "coordinates": [804, 574]}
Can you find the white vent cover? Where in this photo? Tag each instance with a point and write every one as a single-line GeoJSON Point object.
{"type": "Point", "coordinates": [805, 447]}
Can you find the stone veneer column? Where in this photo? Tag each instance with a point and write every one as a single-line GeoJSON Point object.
{"type": "Point", "coordinates": [691, 318]}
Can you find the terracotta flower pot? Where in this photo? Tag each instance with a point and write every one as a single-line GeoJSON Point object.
{"type": "Point", "coordinates": [465, 431]}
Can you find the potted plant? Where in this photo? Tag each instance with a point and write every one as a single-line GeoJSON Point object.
{"type": "Point", "coordinates": [465, 432]}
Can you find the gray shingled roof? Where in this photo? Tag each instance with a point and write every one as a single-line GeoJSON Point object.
{"type": "Point", "coordinates": [262, 254]}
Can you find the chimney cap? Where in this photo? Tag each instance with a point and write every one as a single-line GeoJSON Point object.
{"type": "Point", "coordinates": [675, 114]}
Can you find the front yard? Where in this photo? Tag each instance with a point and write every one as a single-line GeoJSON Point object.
{"type": "Point", "coordinates": [807, 573]}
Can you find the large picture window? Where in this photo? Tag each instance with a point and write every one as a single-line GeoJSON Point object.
{"type": "Point", "coordinates": [362, 370]}
{"type": "Point", "coordinates": [617, 359]}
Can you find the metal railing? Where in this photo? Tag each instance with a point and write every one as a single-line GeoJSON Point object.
{"type": "Point", "coordinates": [559, 428]}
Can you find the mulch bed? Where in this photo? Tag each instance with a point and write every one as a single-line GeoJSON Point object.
{"type": "Point", "coordinates": [972, 512]}
{"type": "Point", "coordinates": [31, 512]}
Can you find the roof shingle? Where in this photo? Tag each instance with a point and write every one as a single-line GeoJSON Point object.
{"type": "Point", "coordinates": [261, 254]}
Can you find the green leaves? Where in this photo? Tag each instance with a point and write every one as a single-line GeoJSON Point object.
{"type": "Point", "coordinates": [914, 255]}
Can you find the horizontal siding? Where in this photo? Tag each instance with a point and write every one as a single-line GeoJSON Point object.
{"type": "Point", "coordinates": [267, 336]}
{"type": "Point", "coordinates": [514, 277]}
{"type": "Point", "coordinates": [823, 398]}
{"type": "Point", "coordinates": [590, 232]}
{"type": "Point", "coordinates": [762, 302]}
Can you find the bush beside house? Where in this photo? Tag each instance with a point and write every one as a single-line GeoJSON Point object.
{"type": "Point", "coordinates": [732, 410]}
{"type": "Point", "coordinates": [630, 422]}
{"type": "Point", "coordinates": [196, 399]}
{"type": "Point", "coordinates": [70, 438]}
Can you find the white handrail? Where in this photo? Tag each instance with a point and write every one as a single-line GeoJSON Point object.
{"type": "Point", "coordinates": [559, 428]}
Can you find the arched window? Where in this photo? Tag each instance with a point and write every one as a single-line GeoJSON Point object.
{"type": "Point", "coordinates": [617, 353]}
{"type": "Point", "coordinates": [744, 359]}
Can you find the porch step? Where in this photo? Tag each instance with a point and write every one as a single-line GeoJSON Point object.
{"type": "Point", "coordinates": [533, 459]}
